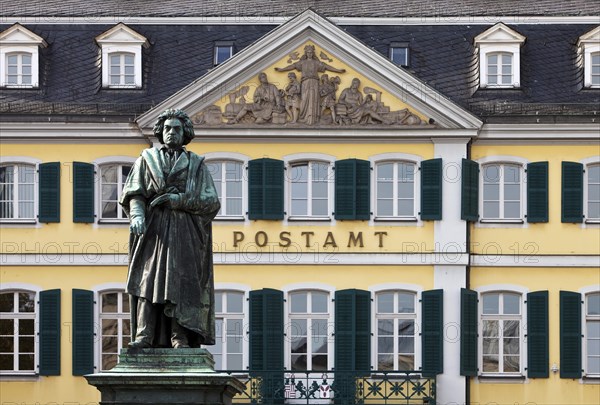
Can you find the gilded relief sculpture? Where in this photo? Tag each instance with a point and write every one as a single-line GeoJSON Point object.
{"type": "Point", "coordinates": [311, 100]}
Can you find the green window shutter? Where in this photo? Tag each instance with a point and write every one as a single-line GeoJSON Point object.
{"type": "Point", "coordinates": [50, 332]}
{"type": "Point", "coordinates": [537, 192]}
{"type": "Point", "coordinates": [470, 191]}
{"type": "Point", "coordinates": [266, 330]}
{"type": "Point", "coordinates": [49, 192]}
{"type": "Point", "coordinates": [431, 189]}
{"type": "Point", "coordinates": [83, 192]}
{"type": "Point", "coordinates": [468, 332]}
{"type": "Point", "coordinates": [265, 189]}
{"type": "Point", "coordinates": [537, 335]}
{"type": "Point", "coordinates": [432, 337]}
{"type": "Point", "coordinates": [353, 330]}
{"type": "Point", "coordinates": [570, 334]}
{"type": "Point", "coordinates": [572, 192]}
{"type": "Point", "coordinates": [352, 189]}
{"type": "Point", "coordinates": [83, 332]}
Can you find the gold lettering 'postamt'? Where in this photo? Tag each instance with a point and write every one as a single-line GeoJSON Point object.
{"type": "Point", "coordinates": [286, 238]}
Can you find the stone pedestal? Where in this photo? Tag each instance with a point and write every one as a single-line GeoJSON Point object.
{"type": "Point", "coordinates": [165, 377]}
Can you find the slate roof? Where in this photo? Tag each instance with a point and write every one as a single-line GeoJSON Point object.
{"type": "Point", "coordinates": [328, 8]}
{"type": "Point", "coordinates": [442, 56]}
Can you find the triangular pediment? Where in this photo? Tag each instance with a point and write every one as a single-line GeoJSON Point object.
{"type": "Point", "coordinates": [19, 35]}
{"type": "Point", "coordinates": [499, 33]}
{"type": "Point", "coordinates": [326, 62]}
{"type": "Point", "coordinates": [121, 34]}
{"type": "Point", "coordinates": [591, 37]}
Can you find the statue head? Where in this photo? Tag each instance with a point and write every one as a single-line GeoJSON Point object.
{"type": "Point", "coordinates": [262, 78]}
{"type": "Point", "coordinates": [309, 52]}
{"type": "Point", "coordinates": [292, 76]}
{"type": "Point", "coordinates": [186, 123]}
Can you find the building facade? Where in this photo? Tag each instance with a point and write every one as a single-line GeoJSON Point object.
{"type": "Point", "coordinates": [412, 216]}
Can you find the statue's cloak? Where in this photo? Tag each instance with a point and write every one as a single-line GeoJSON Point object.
{"type": "Point", "coordinates": [171, 263]}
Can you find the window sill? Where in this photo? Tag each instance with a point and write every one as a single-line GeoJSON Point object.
{"type": "Point", "coordinates": [321, 219]}
{"type": "Point", "coordinates": [395, 219]}
{"type": "Point", "coordinates": [113, 222]}
{"type": "Point", "coordinates": [502, 379]}
{"type": "Point", "coordinates": [19, 377]}
{"type": "Point", "coordinates": [17, 221]}
{"type": "Point", "coordinates": [591, 379]}
{"type": "Point", "coordinates": [592, 221]}
{"type": "Point", "coordinates": [231, 218]}
{"type": "Point", "coordinates": [502, 221]}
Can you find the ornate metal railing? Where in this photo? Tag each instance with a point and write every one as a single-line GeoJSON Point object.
{"type": "Point", "coordinates": [330, 387]}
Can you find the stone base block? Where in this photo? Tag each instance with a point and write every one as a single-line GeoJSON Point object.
{"type": "Point", "coordinates": [165, 377]}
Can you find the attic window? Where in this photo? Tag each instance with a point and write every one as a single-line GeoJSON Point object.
{"type": "Point", "coordinates": [399, 53]}
{"type": "Point", "coordinates": [223, 51]}
{"type": "Point", "coordinates": [499, 57]}
{"type": "Point", "coordinates": [589, 47]}
{"type": "Point", "coordinates": [19, 57]}
{"type": "Point", "coordinates": [121, 57]}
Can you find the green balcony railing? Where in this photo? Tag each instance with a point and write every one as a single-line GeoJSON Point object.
{"type": "Point", "coordinates": [331, 387]}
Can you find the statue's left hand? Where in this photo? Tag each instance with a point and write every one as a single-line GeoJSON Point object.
{"type": "Point", "coordinates": [170, 200]}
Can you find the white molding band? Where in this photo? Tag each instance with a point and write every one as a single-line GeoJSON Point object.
{"type": "Point", "coordinates": [272, 20]}
{"type": "Point", "coordinates": [323, 259]}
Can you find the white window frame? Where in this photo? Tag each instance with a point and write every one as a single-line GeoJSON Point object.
{"type": "Point", "coordinates": [586, 319]}
{"type": "Point", "coordinates": [18, 39]}
{"type": "Point", "coordinates": [119, 316]}
{"type": "Point", "coordinates": [592, 161]}
{"type": "Point", "coordinates": [121, 39]}
{"type": "Point", "coordinates": [218, 45]}
{"type": "Point", "coordinates": [20, 67]}
{"type": "Point", "coordinates": [223, 191]}
{"type": "Point", "coordinates": [121, 65]}
{"type": "Point", "coordinates": [302, 158]}
{"type": "Point", "coordinates": [23, 287]}
{"type": "Point", "coordinates": [245, 291]}
{"type": "Point", "coordinates": [501, 59]}
{"type": "Point", "coordinates": [98, 164]}
{"type": "Point", "coordinates": [588, 45]}
{"type": "Point", "coordinates": [509, 289]}
{"type": "Point", "coordinates": [394, 157]}
{"type": "Point", "coordinates": [589, 76]}
{"type": "Point", "coordinates": [504, 160]}
{"type": "Point", "coordinates": [309, 287]}
{"type": "Point", "coordinates": [23, 160]}
{"type": "Point", "coordinates": [400, 45]}
{"type": "Point", "coordinates": [213, 157]}
{"type": "Point", "coordinates": [396, 287]}
{"type": "Point", "coordinates": [499, 39]}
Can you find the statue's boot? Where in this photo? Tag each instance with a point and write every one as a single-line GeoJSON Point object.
{"type": "Point", "coordinates": [179, 339]}
{"type": "Point", "coordinates": [146, 325]}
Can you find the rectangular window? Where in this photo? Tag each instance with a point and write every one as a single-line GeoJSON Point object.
{"type": "Point", "coordinates": [228, 350]}
{"type": "Point", "coordinates": [592, 335]}
{"type": "Point", "coordinates": [593, 192]}
{"type": "Point", "coordinates": [395, 339]}
{"type": "Point", "coordinates": [501, 333]}
{"type": "Point", "coordinates": [227, 176]}
{"type": "Point", "coordinates": [595, 71]}
{"type": "Point", "coordinates": [502, 192]}
{"type": "Point", "coordinates": [116, 327]}
{"type": "Point", "coordinates": [17, 332]}
{"type": "Point", "coordinates": [18, 69]}
{"type": "Point", "coordinates": [499, 69]}
{"type": "Point", "coordinates": [121, 69]}
{"type": "Point", "coordinates": [222, 53]}
{"type": "Point", "coordinates": [17, 191]}
{"type": "Point", "coordinates": [399, 54]}
{"type": "Point", "coordinates": [308, 330]}
{"type": "Point", "coordinates": [113, 177]}
{"type": "Point", "coordinates": [395, 189]}
{"type": "Point", "coordinates": [310, 189]}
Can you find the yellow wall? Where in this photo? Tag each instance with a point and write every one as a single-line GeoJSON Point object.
{"type": "Point", "coordinates": [553, 237]}
{"type": "Point", "coordinates": [91, 240]}
{"type": "Point", "coordinates": [541, 391]}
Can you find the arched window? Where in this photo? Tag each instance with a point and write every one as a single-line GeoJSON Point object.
{"type": "Point", "coordinates": [115, 325]}
{"type": "Point", "coordinates": [121, 69]}
{"type": "Point", "coordinates": [227, 175]}
{"type": "Point", "coordinates": [112, 180]}
{"type": "Point", "coordinates": [395, 189]}
{"type": "Point", "coordinates": [229, 347]}
{"type": "Point", "coordinates": [19, 69]}
{"type": "Point", "coordinates": [309, 189]}
{"type": "Point", "coordinates": [17, 331]}
{"type": "Point", "coordinates": [500, 69]}
{"type": "Point", "coordinates": [593, 193]}
{"type": "Point", "coordinates": [17, 191]}
{"type": "Point", "coordinates": [502, 191]}
{"type": "Point", "coordinates": [592, 334]}
{"type": "Point", "coordinates": [395, 317]}
{"type": "Point", "coordinates": [595, 69]}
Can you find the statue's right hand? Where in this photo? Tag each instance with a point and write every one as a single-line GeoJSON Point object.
{"type": "Point", "coordinates": [138, 225]}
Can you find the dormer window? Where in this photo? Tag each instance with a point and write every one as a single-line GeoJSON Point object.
{"type": "Point", "coordinates": [223, 51]}
{"type": "Point", "coordinates": [19, 57]}
{"type": "Point", "coordinates": [399, 53]}
{"type": "Point", "coordinates": [121, 57]}
{"type": "Point", "coordinates": [499, 57]}
{"type": "Point", "coordinates": [589, 47]}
